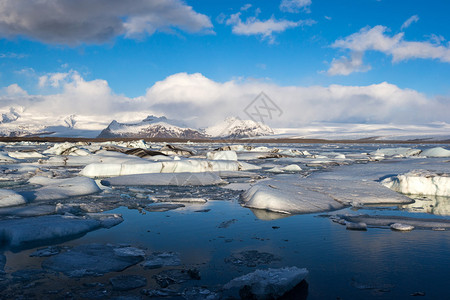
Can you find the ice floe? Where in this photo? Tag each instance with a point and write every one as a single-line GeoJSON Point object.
{"type": "Point", "coordinates": [90, 260]}
{"type": "Point", "coordinates": [387, 221]}
{"type": "Point", "coordinates": [21, 232]}
{"type": "Point", "coordinates": [283, 194]}
{"type": "Point", "coordinates": [420, 182]}
{"type": "Point", "coordinates": [156, 179]}
{"type": "Point", "coordinates": [436, 152]}
{"type": "Point", "coordinates": [54, 189]}
{"type": "Point", "coordinates": [161, 259]}
{"type": "Point", "coordinates": [176, 166]}
{"type": "Point", "coordinates": [268, 284]}
{"type": "Point", "coordinates": [397, 152]}
{"type": "Point", "coordinates": [222, 155]}
{"type": "Point", "coordinates": [10, 198]}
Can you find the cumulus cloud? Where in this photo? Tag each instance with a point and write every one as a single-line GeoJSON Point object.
{"type": "Point", "coordinates": [195, 96]}
{"type": "Point", "coordinates": [346, 66]}
{"type": "Point", "coordinates": [376, 39]}
{"type": "Point", "coordinates": [201, 102]}
{"type": "Point", "coordinates": [96, 21]}
{"type": "Point", "coordinates": [294, 6]}
{"type": "Point", "coordinates": [265, 29]}
{"type": "Point", "coordinates": [408, 22]}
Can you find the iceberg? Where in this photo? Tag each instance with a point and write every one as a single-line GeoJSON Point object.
{"type": "Point", "coordinates": [10, 198]}
{"type": "Point", "coordinates": [21, 232]}
{"type": "Point", "coordinates": [397, 152]}
{"type": "Point", "coordinates": [387, 221]}
{"type": "Point", "coordinates": [157, 179]}
{"type": "Point", "coordinates": [420, 182]}
{"type": "Point", "coordinates": [90, 260]}
{"type": "Point", "coordinates": [222, 155]}
{"type": "Point", "coordinates": [283, 194]}
{"type": "Point", "coordinates": [54, 189]}
{"type": "Point", "coordinates": [436, 152]}
{"type": "Point", "coordinates": [268, 284]}
{"type": "Point", "coordinates": [175, 166]}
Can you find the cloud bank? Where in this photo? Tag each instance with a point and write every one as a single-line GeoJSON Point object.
{"type": "Point", "coordinates": [201, 102]}
{"type": "Point", "coordinates": [377, 39]}
{"type": "Point", "coordinates": [96, 21]}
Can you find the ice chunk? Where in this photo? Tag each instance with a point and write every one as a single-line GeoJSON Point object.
{"type": "Point", "coordinates": [292, 168]}
{"type": "Point", "coordinates": [436, 152]}
{"type": "Point", "coordinates": [20, 232]}
{"type": "Point", "coordinates": [45, 252]}
{"type": "Point", "coordinates": [10, 198]}
{"type": "Point", "coordinates": [175, 166]}
{"type": "Point", "coordinates": [32, 210]}
{"type": "Point", "coordinates": [389, 220]}
{"type": "Point", "coordinates": [270, 283]}
{"type": "Point", "coordinates": [354, 192]}
{"type": "Point", "coordinates": [161, 259]}
{"type": "Point", "coordinates": [54, 189]}
{"type": "Point", "coordinates": [284, 195]}
{"type": "Point", "coordinates": [163, 207]}
{"type": "Point", "coordinates": [401, 227]}
{"type": "Point", "coordinates": [67, 148]}
{"type": "Point", "coordinates": [420, 182]}
{"type": "Point", "coordinates": [399, 152]}
{"type": "Point", "coordinates": [91, 259]}
{"type": "Point", "coordinates": [25, 154]}
{"type": "Point", "coordinates": [177, 179]}
{"type": "Point", "coordinates": [5, 158]}
{"type": "Point", "coordinates": [356, 226]}
{"type": "Point", "coordinates": [222, 155]}
{"type": "Point", "coordinates": [99, 157]}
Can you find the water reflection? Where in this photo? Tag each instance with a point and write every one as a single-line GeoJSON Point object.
{"type": "Point", "coordinates": [436, 205]}
{"type": "Point", "coordinates": [266, 215]}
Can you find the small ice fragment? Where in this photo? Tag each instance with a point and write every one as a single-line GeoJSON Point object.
{"type": "Point", "coordinates": [401, 227]}
{"type": "Point", "coordinates": [222, 155]}
{"type": "Point", "coordinates": [356, 226]}
{"type": "Point", "coordinates": [270, 283]}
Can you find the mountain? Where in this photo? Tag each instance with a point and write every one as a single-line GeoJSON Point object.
{"type": "Point", "coordinates": [237, 128]}
{"type": "Point", "coordinates": [159, 127]}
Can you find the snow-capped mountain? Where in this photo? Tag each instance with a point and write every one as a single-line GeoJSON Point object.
{"type": "Point", "coordinates": [237, 128]}
{"type": "Point", "coordinates": [150, 127]}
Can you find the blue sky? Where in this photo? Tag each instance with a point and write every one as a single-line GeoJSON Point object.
{"type": "Point", "coordinates": [283, 43]}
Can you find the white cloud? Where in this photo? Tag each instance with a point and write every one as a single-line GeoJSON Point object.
{"type": "Point", "coordinates": [346, 66]}
{"type": "Point", "coordinates": [294, 6]}
{"type": "Point", "coordinates": [376, 39]}
{"type": "Point", "coordinates": [408, 22]}
{"type": "Point", "coordinates": [96, 21]}
{"type": "Point", "coordinates": [265, 29]}
{"type": "Point", "coordinates": [246, 7]}
{"type": "Point", "coordinates": [204, 101]}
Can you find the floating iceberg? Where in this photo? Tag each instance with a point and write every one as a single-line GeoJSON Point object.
{"type": "Point", "coordinates": [54, 189]}
{"type": "Point", "coordinates": [20, 232]}
{"type": "Point", "coordinates": [222, 155]}
{"type": "Point", "coordinates": [398, 152]}
{"type": "Point", "coordinates": [270, 283]}
{"type": "Point", "coordinates": [436, 152]}
{"type": "Point", "coordinates": [10, 198]}
{"type": "Point", "coordinates": [176, 166]}
{"type": "Point", "coordinates": [387, 221]}
{"type": "Point", "coordinates": [284, 195]}
{"type": "Point", "coordinates": [420, 182]}
{"type": "Point", "coordinates": [90, 260]}
{"type": "Point", "coordinates": [155, 179]}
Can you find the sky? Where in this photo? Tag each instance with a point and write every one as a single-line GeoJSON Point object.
{"type": "Point", "coordinates": [360, 61]}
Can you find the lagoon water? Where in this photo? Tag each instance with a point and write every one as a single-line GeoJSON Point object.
{"type": "Point", "coordinates": [343, 264]}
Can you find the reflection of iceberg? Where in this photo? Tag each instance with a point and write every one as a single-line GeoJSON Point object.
{"type": "Point", "coordinates": [266, 215]}
{"type": "Point", "coordinates": [435, 205]}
